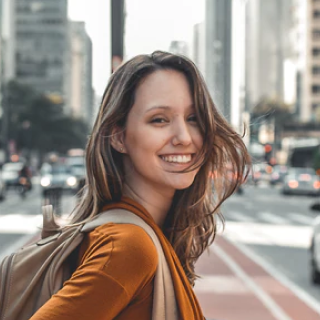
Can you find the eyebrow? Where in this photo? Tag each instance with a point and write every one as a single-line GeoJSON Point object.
{"type": "Point", "coordinates": [191, 107]}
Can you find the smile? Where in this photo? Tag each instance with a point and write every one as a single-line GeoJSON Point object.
{"type": "Point", "coordinates": [177, 158]}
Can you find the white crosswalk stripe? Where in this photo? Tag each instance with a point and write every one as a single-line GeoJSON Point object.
{"type": "Point", "coordinates": [262, 234]}
{"type": "Point", "coordinates": [269, 229]}
{"type": "Point", "coordinates": [238, 216]}
{"type": "Point", "coordinates": [270, 217]}
{"type": "Point", "coordinates": [23, 224]}
{"type": "Point", "coordinates": [301, 218]}
{"type": "Point", "coordinates": [20, 223]}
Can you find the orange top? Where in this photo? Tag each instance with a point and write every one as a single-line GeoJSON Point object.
{"type": "Point", "coordinates": [114, 279]}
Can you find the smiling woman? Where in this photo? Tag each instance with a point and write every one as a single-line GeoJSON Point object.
{"type": "Point", "coordinates": [156, 141]}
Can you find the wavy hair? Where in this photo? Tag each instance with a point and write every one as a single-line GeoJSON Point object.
{"type": "Point", "coordinates": [192, 220]}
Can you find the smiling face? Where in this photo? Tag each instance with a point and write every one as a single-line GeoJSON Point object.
{"type": "Point", "coordinates": [162, 136]}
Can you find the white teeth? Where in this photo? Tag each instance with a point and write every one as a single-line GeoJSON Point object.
{"type": "Point", "coordinates": [177, 159]}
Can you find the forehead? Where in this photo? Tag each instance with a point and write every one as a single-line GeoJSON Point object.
{"type": "Point", "coordinates": [163, 88]}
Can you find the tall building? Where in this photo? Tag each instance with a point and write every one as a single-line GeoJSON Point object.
{"type": "Point", "coordinates": [311, 77]}
{"type": "Point", "coordinates": [199, 43]}
{"type": "Point", "coordinates": [41, 46]}
{"type": "Point", "coordinates": [8, 35]}
{"type": "Point", "coordinates": [179, 47]}
{"type": "Point", "coordinates": [225, 56]}
{"type": "Point", "coordinates": [81, 92]}
{"type": "Point", "coordinates": [270, 54]}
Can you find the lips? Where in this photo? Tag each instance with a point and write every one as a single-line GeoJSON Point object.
{"type": "Point", "coordinates": [183, 158]}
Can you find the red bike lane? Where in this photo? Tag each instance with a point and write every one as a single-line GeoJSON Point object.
{"type": "Point", "coordinates": [235, 287]}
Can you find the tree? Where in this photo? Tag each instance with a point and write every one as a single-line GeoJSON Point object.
{"type": "Point", "coordinates": [274, 111]}
{"type": "Point", "coordinates": [37, 123]}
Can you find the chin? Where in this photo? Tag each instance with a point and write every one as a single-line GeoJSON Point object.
{"type": "Point", "coordinates": [181, 185]}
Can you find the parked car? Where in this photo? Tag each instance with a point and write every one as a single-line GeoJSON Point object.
{"type": "Point", "coordinates": [10, 173]}
{"type": "Point", "coordinates": [278, 173]}
{"type": "Point", "coordinates": [57, 175]}
{"type": "Point", "coordinates": [301, 181]}
{"type": "Point", "coordinates": [315, 247]}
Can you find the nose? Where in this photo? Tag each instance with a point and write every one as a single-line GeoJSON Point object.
{"type": "Point", "coordinates": [181, 133]}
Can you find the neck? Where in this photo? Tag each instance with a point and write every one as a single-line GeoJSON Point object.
{"type": "Point", "coordinates": [156, 204]}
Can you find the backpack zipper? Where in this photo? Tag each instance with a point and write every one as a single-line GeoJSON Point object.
{"type": "Point", "coordinates": [4, 284]}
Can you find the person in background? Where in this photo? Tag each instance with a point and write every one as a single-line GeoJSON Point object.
{"type": "Point", "coordinates": [25, 173]}
{"type": "Point", "coordinates": [156, 141]}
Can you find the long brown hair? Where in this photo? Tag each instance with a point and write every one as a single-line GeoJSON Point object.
{"type": "Point", "coordinates": [191, 222]}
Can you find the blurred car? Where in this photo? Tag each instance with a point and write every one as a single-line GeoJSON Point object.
{"type": "Point", "coordinates": [10, 173]}
{"type": "Point", "coordinates": [315, 248]}
{"type": "Point", "coordinates": [59, 176]}
{"type": "Point", "coordinates": [257, 173]}
{"type": "Point", "coordinates": [78, 168]}
{"type": "Point", "coordinates": [278, 173]}
{"type": "Point", "coordinates": [301, 181]}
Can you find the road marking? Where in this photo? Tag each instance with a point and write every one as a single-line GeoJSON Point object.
{"type": "Point", "coordinates": [302, 294]}
{"type": "Point", "coordinates": [20, 223]}
{"type": "Point", "coordinates": [220, 284]}
{"type": "Point", "coordinates": [264, 234]}
{"type": "Point", "coordinates": [301, 218]}
{"type": "Point", "coordinates": [270, 217]}
{"type": "Point", "coordinates": [269, 303]}
{"type": "Point", "coordinates": [235, 215]}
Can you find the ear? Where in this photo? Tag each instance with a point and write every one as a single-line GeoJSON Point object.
{"type": "Point", "coordinates": [117, 139]}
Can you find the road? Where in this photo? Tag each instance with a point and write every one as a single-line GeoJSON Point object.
{"type": "Point", "coordinates": [276, 228]}
{"type": "Point", "coordinates": [271, 229]}
{"type": "Point", "coordinates": [21, 218]}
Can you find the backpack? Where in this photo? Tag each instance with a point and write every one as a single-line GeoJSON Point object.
{"type": "Point", "coordinates": [30, 276]}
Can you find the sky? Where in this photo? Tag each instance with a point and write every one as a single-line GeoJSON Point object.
{"type": "Point", "coordinates": [150, 25]}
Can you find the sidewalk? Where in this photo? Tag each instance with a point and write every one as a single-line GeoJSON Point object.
{"type": "Point", "coordinates": [235, 287]}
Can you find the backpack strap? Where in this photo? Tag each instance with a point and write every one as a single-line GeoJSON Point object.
{"type": "Point", "coordinates": [164, 302]}
{"type": "Point", "coordinates": [50, 227]}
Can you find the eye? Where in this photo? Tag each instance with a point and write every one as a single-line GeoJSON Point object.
{"type": "Point", "coordinates": [193, 118]}
{"type": "Point", "coordinates": [158, 120]}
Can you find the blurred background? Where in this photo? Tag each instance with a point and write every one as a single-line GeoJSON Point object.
{"type": "Point", "coordinates": [261, 62]}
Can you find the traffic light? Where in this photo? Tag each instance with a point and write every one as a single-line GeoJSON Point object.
{"type": "Point", "coordinates": [267, 152]}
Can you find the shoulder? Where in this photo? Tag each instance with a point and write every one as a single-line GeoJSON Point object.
{"type": "Point", "coordinates": [127, 237]}
{"type": "Point", "coordinates": [123, 250]}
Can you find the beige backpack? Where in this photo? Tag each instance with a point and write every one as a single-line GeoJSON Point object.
{"type": "Point", "coordinates": [30, 276]}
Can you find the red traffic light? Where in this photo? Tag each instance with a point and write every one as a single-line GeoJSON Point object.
{"type": "Point", "coordinates": [267, 148]}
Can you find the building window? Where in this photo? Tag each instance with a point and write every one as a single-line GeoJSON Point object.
{"type": "Point", "coordinates": [316, 52]}
{"type": "Point", "coordinates": [316, 89]}
{"type": "Point", "coordinates": [316, 14]}
{"type": "Point", "coordinates": [316, 70]}
{"type": "Point", "coordinates": [316, 34]}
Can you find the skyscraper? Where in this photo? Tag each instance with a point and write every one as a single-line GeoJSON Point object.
{"type": "Point", "coordinates": [225, 56]}
{"type": "Point", "coordinates": [310, 107]}
{"type": "Point", "coordinates": [41, 46]}
{"type": "Point", "coordinates": [269, 50]}
{"type": "Point", "coordinates": [80, 70]}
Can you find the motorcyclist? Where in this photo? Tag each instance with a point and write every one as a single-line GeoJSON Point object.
{"type": "Point", "coordinates": [25, 172]}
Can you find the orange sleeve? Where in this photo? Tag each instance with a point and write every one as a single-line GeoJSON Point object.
{"type": "Point", "coordinates": [119, 260]}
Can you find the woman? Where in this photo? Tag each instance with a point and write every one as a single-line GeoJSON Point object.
{"type": "Point", "coordinates": [157, 141]}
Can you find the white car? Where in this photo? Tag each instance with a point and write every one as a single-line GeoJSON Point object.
{"type": "Point", "coordinates": [315, 247]}
{"type": "Point", "coordinates": [59, 176]}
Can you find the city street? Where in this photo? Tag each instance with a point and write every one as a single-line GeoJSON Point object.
{"type": "Point", "coordinates": [259, 263]}
{"type": "Point", "coordinates": [259, 268]}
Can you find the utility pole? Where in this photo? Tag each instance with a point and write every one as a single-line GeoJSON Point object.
{"type": "Point", "coordinates": [117, 33]}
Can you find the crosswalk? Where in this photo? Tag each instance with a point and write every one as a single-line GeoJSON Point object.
{"type": "Point", "coordinates": [263, 228]}
{"type": "Point", "coordinates": [19, 223]}
{"type": "Point", "coordinates": [269, 229]}
{"type": "Point", "coordinates": [266, 217]}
